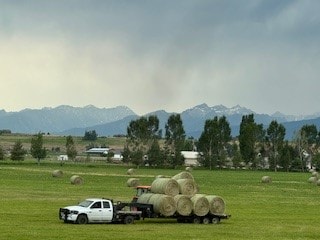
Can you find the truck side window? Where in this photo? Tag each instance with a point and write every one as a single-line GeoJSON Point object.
{"type": "Point", "coordinates": [106, 205]}
{"type": "Point", "coordinates": [96, 205]}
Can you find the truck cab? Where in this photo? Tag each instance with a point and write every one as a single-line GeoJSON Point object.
{"type": "Point", "coordinates": [89, 211]}
{"type": "Point", "coordinates": [141, 190]}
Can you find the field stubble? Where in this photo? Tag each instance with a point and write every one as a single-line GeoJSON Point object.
{"type": "Point", "coordinates": [287, 208]}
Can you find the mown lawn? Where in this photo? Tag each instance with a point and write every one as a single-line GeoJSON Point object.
{"type": "Point", "coordinates": [288, 208]}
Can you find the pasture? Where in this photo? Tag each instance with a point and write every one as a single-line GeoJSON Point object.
{"type": "Point", "coordinates": [288, 208]}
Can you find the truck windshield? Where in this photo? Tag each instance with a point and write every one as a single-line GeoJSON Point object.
{"type": "Point", "coordinates": [85, 203]}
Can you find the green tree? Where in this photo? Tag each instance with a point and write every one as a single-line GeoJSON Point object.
{"type": "Point", "coordinates": [275, 135]}
{"type": "Point", "coordinates": [286, 156]}
{"type": "Point", "coordinates": [141, 134]}
{"type": "Point", "coordinates": [1, 153]}
{"type": "Point", "coordinates": [71, 148]}
{"type": "Point", "coordinates": [213, 141]}
{"type": "Point", "coordinates": [90, 135]}
{"type": "Point", "coordinates": [250, 134]}
{"type": "Point", "coordinates": [175, 140]}
{"type": "Point", "coordinates": [37, 150]}
{"type": "Point", "coordinates": [17, 152]}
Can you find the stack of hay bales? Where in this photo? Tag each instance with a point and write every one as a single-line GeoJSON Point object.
{"type": "Point", "coordinates": [179, 196]}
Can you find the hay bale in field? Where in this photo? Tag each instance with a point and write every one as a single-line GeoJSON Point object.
{"type": "Point", "coordinates": [315, 174]}
{"type": "Point", "coordinates": [189, 169]}
{"type": "Point", "coordinates": [187, 187]}
{"type": "Point", "coordinates": [133, 182]}
{"type": "Point", "coordinates": [200, 205]}
{"type": "Point", "coordinates": [166, 186]}
{"type": "Point", "coordinates": [160, 176]}
{"type": "Point", "coordinates": [163, 204]}
{"type": "Point", "coordinates": [57, 173]}
{"type": "Point", "coordinates": [76, 180]}
{"type": "Point", "coordinates": [312, 179]}
{"type": "Point", "coordinates": [130, 171]}
{"type": "Point", "coordinates": [184, 205]}
{"type": "Point", "coordinates": [183, 175]}
{"type": "Point", "coordinates": [318, 182]}
{"type": "Point", "coordinates": [216, 204]}
{"type": "Point", "coordinates": [266, 179]}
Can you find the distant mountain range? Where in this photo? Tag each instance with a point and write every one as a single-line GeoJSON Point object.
{"type": "Point", "coordinates": [68, 120]}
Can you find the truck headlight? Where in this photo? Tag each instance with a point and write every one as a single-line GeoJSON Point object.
{"type": "Point", "coordinates": [74, 212]}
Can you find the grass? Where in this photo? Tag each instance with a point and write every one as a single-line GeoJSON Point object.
{"type": "Point", "coordinates": [30, 199]}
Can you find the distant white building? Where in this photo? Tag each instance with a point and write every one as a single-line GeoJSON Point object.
{"type": "Point", "coordinates": [101, 151]}
{"type": "Point", "coordinates": [63, 157]}
{"type": "Point", "coordinates": [191, 158]}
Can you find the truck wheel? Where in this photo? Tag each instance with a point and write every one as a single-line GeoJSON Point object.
{"type": "Point", "coordinates": [128, 220]}
{"type": "Point", "coordinates": [82, 219]}
{"type": "Point", "coordinates": [206, 220]}
{"type": "Point", "coordinates": [215, 220]}
{"type": "Point", "coordinates": [196, 220]}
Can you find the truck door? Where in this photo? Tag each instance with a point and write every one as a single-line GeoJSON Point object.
{"type": "Point", "coordinates": [95, 213]}
{"type": "Point", "coordinates": [107, 211]}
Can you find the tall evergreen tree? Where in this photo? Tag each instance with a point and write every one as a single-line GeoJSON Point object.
{"type": "Point", "coordinates": [37, 149]}
{"type": "Point", "coordinates": [71, 148]}
{"type": "Point", "coordinates": [17, 153]}
{"type": "Point", "coordinates": [175, 139]}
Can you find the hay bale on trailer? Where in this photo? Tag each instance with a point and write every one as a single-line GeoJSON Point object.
{"type": "Point", "coordinates": [76, 180]}
{"type": "Point", "coordinates": [163, 204]}
{"type": "Point", "coordinates": [133, 182]}
{"type": "Point", "coordinates": [187, 187]}
{"type": "Point", "coordinates": [144, 198]}
{"type": "Point", "coordinates": [183, 175]}
{"type": "Point", "coordinates": [184, 205]}
{"type": "Point", "coordinates": [189, 169]}
{"type": "Point", "coordinates": [130, 171]}
{"type": "Point", "coordinates": [200, 205]}
{"type": "Point", "coordinates": [57, 173]}
{"type": "Point", "coordinates": [166, 186]}
{"type": "Point", "coordinates": [266, 179]}
{"type": "Point", "coordinates": [216, 204]}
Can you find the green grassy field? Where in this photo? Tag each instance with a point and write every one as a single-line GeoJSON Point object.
{"type": "Point", "coordinates": [288, 208]}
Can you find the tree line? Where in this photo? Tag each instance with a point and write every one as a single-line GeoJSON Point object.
{"type": "Point", "coordinates": [254, 147]}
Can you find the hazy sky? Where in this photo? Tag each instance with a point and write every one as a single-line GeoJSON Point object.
{"type": "Point", "coordinates": [161, 54]}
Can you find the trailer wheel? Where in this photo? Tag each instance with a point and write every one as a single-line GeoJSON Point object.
{"type": "Point", "coordinates": [215, 220]}
{"type": "Point", "coordinates": [82, 219]}
{"type": "Point", "coordinates": [196, 220]}
{"type": "Point", "coordinates": [128, 220]}
{"type": "Point", "coordinates": [206, 220]}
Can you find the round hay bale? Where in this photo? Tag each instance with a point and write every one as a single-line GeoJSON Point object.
{"type": "Point", "coordinates": [315, 174]}
{"type": "Point", "coordinates": [133, 182]}
{"type": "Point", "coordinates": [130, 171]}
{"type": "Point", "coordinates": [166, 186]}
{"type": "Point", "coordinates": [76, 180]}
{"type": "Point", "coordinates": [163, 204]}
{"type": "Point", "coordinates": [183, 175]}
{"type": "Point", "coordinates": [187, 187]}
{"type": "Point", "coordinates": [189, 169]}
{"type": "Point", "coordinates": [184, 205]}
{"type": "Point", "coordinates": [200, 205]}
{"type": "Point", "coordinates": [144, 198]}
{"type": "Point", "coordinates": [216, 204]}
{"type": "Point", "coordinates": [266, 179]}
{"type": "Point", "coordinates": [312, 179]}
{"type": "Point", "coordinates": [57, 173]}
{"type": "Point", "coordinates": [318, 182]}
{"type": "Point", "coordinates": [160, 176]}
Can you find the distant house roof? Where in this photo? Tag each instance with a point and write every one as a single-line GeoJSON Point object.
{"type": "Point", "coordinates": [98, 150]}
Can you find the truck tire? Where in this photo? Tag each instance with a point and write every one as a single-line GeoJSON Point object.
{"type": "Point", "coordinates": [215, 220]}
{"type": "Point", "coordinates": [128, 220]}
{"type": "Point", "coordinates": [82, 219]}
{"type": "Point", "coordinates": [206, 220]}
{"type": "Point", "coordinates": [196, 220]}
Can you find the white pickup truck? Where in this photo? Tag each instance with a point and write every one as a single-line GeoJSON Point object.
{"type": "Point", "coordinates": [100, 210]}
